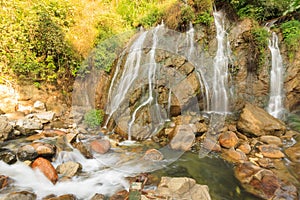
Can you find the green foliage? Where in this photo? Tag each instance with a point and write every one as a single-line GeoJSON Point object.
{"type": "Point", "coordinates": [294, 5]}
{"type": "Point", "coordinates": [151, 18]}
{"type": "Point", "coordinates": [187, 15]}
{"type": "Point", "coordinates": [204, 18]}
{"type": "Point", "coordinates": [260, 10]}
{"type": "Point", "coordinates": [293, 121]}
{"type": "Point", "coordinates": [291, 34]}
{"type": "Point", "coordinates": [93, 118]}
{"type": "Point", "coordinates": [33, 43]}
{"type": "Point", "coordinates": [261, 38]}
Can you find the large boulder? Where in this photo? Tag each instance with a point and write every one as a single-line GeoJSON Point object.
{"type": "Point", "coordinates": [183, 137]}
{"type": "Point", "coordinates": [24, 195]}
{"type": "Point", "coordinates": [5, 128]}
{"type": "Point", "coordinates": [255, 121]}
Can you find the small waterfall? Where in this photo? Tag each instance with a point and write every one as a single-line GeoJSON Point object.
{"type": "Point", "coordinates": [275, 106]}
{"type": "Point", "coordinates": [191, 57]}
{"type": "Point", "coordinates": [219, 99]}
{"type": "Point", "coordinates": [151, 79]}
{"type": "Point", "coordinates": [128, 76]}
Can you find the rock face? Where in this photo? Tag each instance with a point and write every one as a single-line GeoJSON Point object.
{"type": "Point", "coordinates": [46, 168]}
{"type": "Point", "coordinates": [255, 121]}
{"type": "Point", "coordinates": [182, 188]}
{"type": "Point", "coordinates": [5, 128]}
{"type": "Point", "coordinates": [183, 138]}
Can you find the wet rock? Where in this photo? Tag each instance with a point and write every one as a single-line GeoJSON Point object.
{"type": "Point", "coordinates": [64, 197]}
{"type": "Point", "coordinates": [4, 181]}
{"type": "Point", "coordinates": [5, 128]}
{"type": "Point", "coordinates": [293, 153]}
{"type": "Point", "coordinates": [211, 145]}
{"type": "Point", "coordinates": [256, 180]}
{"type": "Point", "coordinates": [121, 195]}
{"type": "Point", "coordinates": [100, 146]}
{"type": "Point", "coordinates": [255, 121]}
{"type": "Point", "coordinates": [182, 188]}
{"type": "Point", "coordinates": [228, 139]}
{"type": "Point", "coordinates": [183, 138]}
{"type": "Point", "coordinates": [98, 197]}
{"type": "Point", "coordinates": [270, 139]}
{"type": "Point", "coordinates": [266, 163]}
{"type": "Point", "coordinates": [28, 126]}
{"type": "Point", "coordinates": [201, 127]}
{"type": "Point", "coordinates": [270, 151]}
{"type": "Point", "coordinates": [46, 168]}
{"type": "Point", "coordinates": [83, 149]}
{"type": "Point", "coordinates": [27, 152]}
{"type": "Point", "coordinates": [245, 147]}
{"type": "Point", "coordinates": [44, 149]}
{"type": "Point", "coordinates": [153, 155]}
{"type": "Point", "coordinates": [69, 169]}
{"type": "Point", "coordinates": [7, 156]}
{"type": "Point", "coordinates": [24, 195]}
{"type": "Point", "coordinates": [235, 155]}
{"type": "Point", "coordinates": [287, 192]}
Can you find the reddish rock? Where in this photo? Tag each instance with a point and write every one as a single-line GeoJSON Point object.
{"type": "Point", "coordinates": [46, 167]}
{"type": "Point", "coordinates": [64, 197]}
{"type": "Point", "coordinates": [121, 195]}
{"type": "Point", "coordinates": [228, 139]}
{"type": "Point", "coordinates": [153, 155]}
{"type": "Point", "coordinates": [245, 147]}
{"type": "Point", "coordinates": [256, 180]}
{"type": "Point", "coordinates": [270, 151]}
{"type": "Point", "coordinates": [235, 155]}
{"type": "Point", "coordinates": [100, 146]}
{"type": "Point", "coordinates": [4, 180]}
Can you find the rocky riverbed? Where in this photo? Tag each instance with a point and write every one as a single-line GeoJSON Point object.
{"type": "Point", "coordinates": [262, 149]}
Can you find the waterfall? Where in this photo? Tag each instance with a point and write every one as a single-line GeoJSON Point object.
{"type": "Point", "coordinates": [275, 106]}
{"type": "Point", "coordinates": [128, 76]}
{"type": "Point", "coordinates": [219, 99]}
{"type": "Point", "coordinates": [192, 57]}
{"type": "Point", "coordinates": [151, 79]}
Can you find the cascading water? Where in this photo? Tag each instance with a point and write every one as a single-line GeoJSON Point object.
{"type": "Point", "coordinates": [192, 53]}
{"type": "Point", "coordinates": [129, 75]}
{"type": "Point", "coordinates": [275, 106]}
{"type": "Point", "coordinates": [219, 99]}
{"type": "Point", "coordinates": [151, 79]}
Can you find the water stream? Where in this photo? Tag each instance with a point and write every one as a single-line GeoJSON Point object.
{"type": "Point", "coordinates": [219, 99]}
{"type": "Point", "coordinates": [275, 106]}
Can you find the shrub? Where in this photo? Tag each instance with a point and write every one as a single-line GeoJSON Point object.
{"type": "Point", "coordinates": [261, 39]}
{"type": "Point", "coordinates": [93, 118]}
{"type": "Point", "coordinates": [291, 34]}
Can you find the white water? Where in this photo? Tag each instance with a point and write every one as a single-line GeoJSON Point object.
{"type": "Point", "coordinates": [192, 53]}
{"type": "Point", "coordinates": [104, 174]}
{"type": "Point", "coordinates": [275, 106]}
{"type": "Point", "coordinates": [151, 79]}
{"type": "Point", "coordinates": [130, 73]}
{"type": "Point", "coordinates": [219, 99]}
